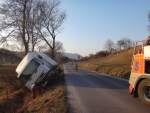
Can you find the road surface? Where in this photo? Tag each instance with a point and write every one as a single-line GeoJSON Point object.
{"type": "Point", "coordinates": [92, 92]}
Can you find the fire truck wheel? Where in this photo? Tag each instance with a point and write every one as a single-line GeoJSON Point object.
{"type": "Point", "coordinates": [144, 91]}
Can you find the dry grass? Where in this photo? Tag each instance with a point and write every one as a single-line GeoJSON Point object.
{"type": "Point", "coordinates": [118, 64]}
{"type": "Point", "coordinates": [52, 101]}
{"type": "Point", "coordinates": [20, 100]}
{"type": "Point", "coordinates": [7, 65]}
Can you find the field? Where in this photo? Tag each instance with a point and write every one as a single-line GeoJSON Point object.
{"type": "Point", "coordinates": [16, 98]}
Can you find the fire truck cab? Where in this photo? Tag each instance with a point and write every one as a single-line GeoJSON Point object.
{"type": "Point", "coordinates": [140, 73]}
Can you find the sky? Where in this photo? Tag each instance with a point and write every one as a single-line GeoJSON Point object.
{"type": "Point", "coordinates": [90, 23]}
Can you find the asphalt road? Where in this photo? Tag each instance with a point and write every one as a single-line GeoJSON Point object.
{"type": "Point", "coordinates": [91, 92]}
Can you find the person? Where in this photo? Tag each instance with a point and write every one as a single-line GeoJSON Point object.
{"type": "Point", "coordinates": [147, 41]}
{"type": "Point", "coordinates": [76, 67]}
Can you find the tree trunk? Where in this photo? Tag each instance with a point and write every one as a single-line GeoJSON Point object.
{"type": "Point", "coordinates": [53, 49]}
{"type": "Point", "coordinates": [23, 29]}
{"type": "Point", "coordinates": [32, 47]}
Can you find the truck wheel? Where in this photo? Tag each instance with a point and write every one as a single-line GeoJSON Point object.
{"type": "Point", "coordinates": [144, 91]}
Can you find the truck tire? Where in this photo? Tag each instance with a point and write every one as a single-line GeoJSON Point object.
{"type": "Point", "coordinates": [144, 91]}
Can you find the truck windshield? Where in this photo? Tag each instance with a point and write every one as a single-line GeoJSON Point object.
{"type": "Point", "coordinates": [29, 70]}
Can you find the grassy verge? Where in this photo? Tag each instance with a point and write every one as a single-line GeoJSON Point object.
{"type": "Point", "coordinates": [122, 71]}
{"type": "Point", "coordinates": [114, 64]}
{"type": "Point", "coordinates": [19, 100]}
{"type": "Point", "coordinates": [53, 101]}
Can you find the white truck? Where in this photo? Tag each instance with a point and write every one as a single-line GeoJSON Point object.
{"type": "Point", "coordinates": [37, 67]}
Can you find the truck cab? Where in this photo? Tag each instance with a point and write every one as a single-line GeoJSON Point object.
{"type": "Point", "coordinates": [35, 68]}
{"type": "Point", "coordinates": [140, 72]}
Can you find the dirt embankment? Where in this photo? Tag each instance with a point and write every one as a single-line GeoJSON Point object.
{"type": "Point", "coordinates": [12, 101]}
{"type": "Point", "coordinates": [52, 100]}
{"type": "Point", "coordinates": [16, 98]}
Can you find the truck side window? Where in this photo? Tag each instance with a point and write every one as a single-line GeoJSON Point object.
{"type": "Point", "coordinates": [29, 70]}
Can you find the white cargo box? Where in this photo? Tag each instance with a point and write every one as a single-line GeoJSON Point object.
{"type": "Point", "coordinates": [147, 52]}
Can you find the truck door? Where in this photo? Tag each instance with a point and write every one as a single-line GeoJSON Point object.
{"type": "Point", "coordinates": [38, 73]}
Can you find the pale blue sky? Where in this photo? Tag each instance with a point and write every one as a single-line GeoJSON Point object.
{"type": "Point", "coordinates": [91, 22]}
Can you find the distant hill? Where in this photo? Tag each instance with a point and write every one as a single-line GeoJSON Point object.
{"type": "Point", "coordinates": [72, 55]}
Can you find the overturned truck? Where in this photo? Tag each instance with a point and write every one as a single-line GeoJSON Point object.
{"type": "Point", "coordinates": [38, 68]}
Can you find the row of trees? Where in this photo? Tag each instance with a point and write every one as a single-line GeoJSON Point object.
{"type": "Point", "coordinates": [123, 43]}
{"type": "Point", "coordinates": [111, 47]}
{"type": "Point", "coordinates": [99, 54]}
{"type": "Point", "coordinates": [30, 23]}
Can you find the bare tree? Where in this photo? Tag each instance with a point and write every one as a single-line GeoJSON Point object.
{"type": "Point", "coordinates": [42, 47]}
{"type": "Point", "coordinates": [117, 47]}
{"type": "Point", "coordinates": [30, 21]}
{"type": "Point", "coordinates": [32, 32]}
{"type": "Point", "coordinates": [17, 20]}
{"type": "Point", "coordinates": [130, 43]}
{"type": "Point", "coordinates": [14, 19]}
{"type": "Point", "coordinates": [109, 45]}
{"type": "Point", "coordinates": [58, 49]}
{"type": "Point", "coordinates": [120, 43]}
{"type": "Point", "coordinates": [125, 46]}
{"type": "Point", "coordinates": [126, 43]}
{"type": "Point", "coordinates": [50, 21]}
